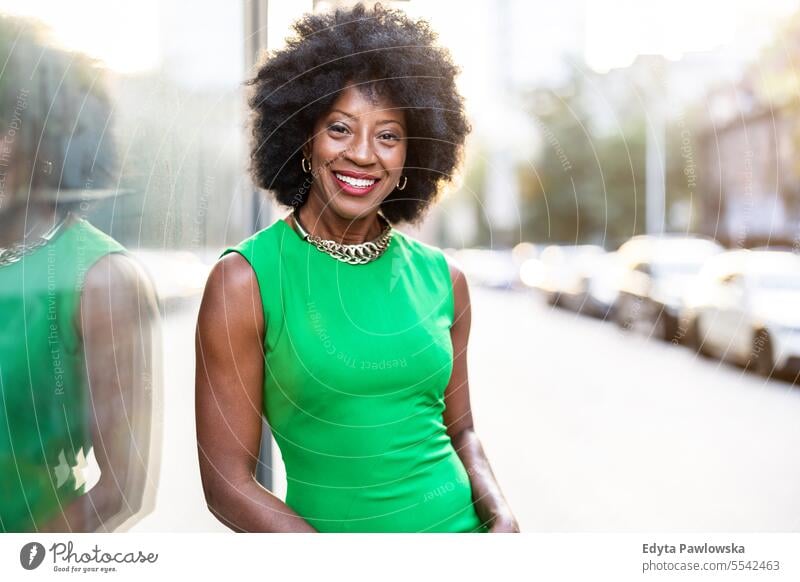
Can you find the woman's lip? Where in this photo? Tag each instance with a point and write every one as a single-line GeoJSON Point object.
{"type": "Point", "coordinates": [350, 189]}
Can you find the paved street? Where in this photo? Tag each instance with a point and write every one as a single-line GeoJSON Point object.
{"type": "Point", "coordinates": [592, 429]}
{"type": "Point", "coordinates": [588, 428]}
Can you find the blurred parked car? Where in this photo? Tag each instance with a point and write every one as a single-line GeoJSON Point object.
{"type": "Point", "coordinates": [745, 307]}
{"type": "Point", "coordinates": [603, 285]}
{"type": "Point", "coordinates": [525, 251]}
{"type": "Point", "coordinates": [657, 271]}
{"type": "Point", "coordinates": [561, 273]}
{"type": "Point", "coordinates": [495, 269]}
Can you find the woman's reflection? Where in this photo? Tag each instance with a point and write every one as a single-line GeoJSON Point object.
{"type": "Point", "coordinates": [77, 315]}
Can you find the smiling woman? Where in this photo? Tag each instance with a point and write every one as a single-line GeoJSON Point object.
{"type": "Point", "coordinates": [349, 336]}
{"type": "Point", "coordinates": [360, 148]}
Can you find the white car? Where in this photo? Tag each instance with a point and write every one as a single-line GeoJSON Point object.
{"type": "Point", "coordinates": [603, 285]}
{"type": "Point", "coordinates": [657, 271]}
{"type": "Point", "coordinates": [745, 307]}
{"type": "Point", "coordinates": [561, 273]}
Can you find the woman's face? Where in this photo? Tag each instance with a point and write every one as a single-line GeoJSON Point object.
{"type": "Point", "coordinates": [357, 153]}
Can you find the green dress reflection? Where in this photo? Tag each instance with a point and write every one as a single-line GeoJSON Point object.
{"type": "Point", "coordinates": [45, 408]}
{"type": "Point", "coordinates": [357, 359]}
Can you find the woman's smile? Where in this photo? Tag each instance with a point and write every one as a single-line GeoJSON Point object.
{"type": "Point", "coordinates": [355, 183]}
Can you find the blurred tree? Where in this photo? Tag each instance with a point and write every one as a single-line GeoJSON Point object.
{"type": "Point", "coordinates": [776, 83]}
{"type": "Point", "coordinates": [586, 184]}
{"type": "Point", "coordinates": [683, 202]}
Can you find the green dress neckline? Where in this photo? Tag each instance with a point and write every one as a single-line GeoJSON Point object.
{"type": "Point", "coordinates": [300, 240]}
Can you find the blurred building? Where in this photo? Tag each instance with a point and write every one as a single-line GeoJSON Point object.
{"type": "Point", "coordinates": [747, 151]}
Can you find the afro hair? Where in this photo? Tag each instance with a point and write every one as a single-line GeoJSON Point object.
{"type": "Point", "coordinates": [380, 50]}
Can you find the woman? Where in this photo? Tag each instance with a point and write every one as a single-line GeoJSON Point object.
{"type": "Point", "coordinates": [349, 335]}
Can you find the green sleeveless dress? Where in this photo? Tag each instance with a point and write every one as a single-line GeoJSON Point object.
{"type": "Point", "coordinates": [45, 407]}
{"type": "Point", "coordinates": [357, 359]}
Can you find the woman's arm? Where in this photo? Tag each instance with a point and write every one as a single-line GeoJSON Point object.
{"type": "Point", "coordinates": [117, 323]}
{"type": "Point", "coordinates": [490, 505]}
{"type": "Point", "coordinates": [228, 402]}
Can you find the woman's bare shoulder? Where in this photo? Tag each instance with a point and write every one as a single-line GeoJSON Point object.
{"type": "Point", "coordinates": [231, 291]}
{"type": "Point", "coordinates": [232, 270]}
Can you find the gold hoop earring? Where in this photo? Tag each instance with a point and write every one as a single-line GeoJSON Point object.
{"type": "Point", "coordinates": [405, 181]}
{"type": "Point", "coordinates": [303, 163]}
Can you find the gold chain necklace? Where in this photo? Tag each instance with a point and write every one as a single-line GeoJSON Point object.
{"type": "Point", "coordinates": [355, 254]}
{"type": "Point", "coordinates": [16, 251]}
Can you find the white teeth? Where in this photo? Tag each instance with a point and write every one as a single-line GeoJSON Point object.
{"type": "Point", "coordinates": [357, 182]}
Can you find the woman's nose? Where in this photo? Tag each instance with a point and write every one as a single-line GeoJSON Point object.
{"type": "Point", "coordinates": [361, 150]}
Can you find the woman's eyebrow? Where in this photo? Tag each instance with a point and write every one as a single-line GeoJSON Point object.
{"type": "Point", "coordinates": [345, 113]}
{"type": "Point", "coordinates": [384, 121]}
{"type": "Point", "coordinates": [381, 122]}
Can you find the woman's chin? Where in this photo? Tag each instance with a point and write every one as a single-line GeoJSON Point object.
{"type": "Point", "coordinates": [353, 208]}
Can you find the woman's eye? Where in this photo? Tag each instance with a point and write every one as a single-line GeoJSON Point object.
{"type": "Point", "coordinates": [338, 128]}
{"type": "Point", "coordinates": [389, 136]}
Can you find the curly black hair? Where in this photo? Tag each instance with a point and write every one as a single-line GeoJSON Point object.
{"type": "Point", "coordinates": [382, 51]}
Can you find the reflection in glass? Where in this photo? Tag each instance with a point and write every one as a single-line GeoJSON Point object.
{"type": "Point", "coordinates": [78, 315]}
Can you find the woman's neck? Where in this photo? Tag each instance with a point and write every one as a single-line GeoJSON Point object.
{"type": "Point", "coordinates": [21, 224]}
{"type": "Point", "coordinates": [324, 223]}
